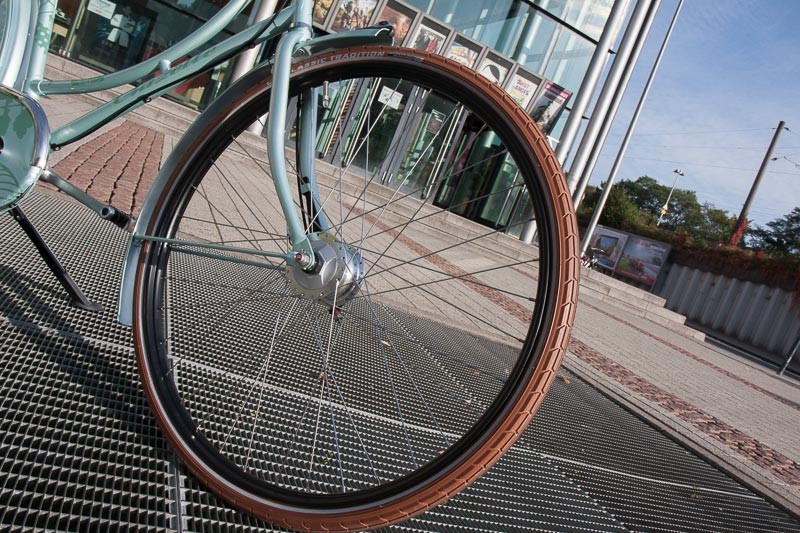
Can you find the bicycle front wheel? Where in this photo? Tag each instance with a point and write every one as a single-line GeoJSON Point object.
{"type": "Point", "coordinates": [400, 369]}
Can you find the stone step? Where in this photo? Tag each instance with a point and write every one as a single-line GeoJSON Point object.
{"type": "Point", "coordinates": [161, 114]}
{"type": "Point", "coordinates": [599, 278]}
{"type": "Point", "coordinates": [594, 290]}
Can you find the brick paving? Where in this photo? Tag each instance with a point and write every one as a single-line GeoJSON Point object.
{"type": "Point", "coordinates": [117, 167]}
{"type": "Point", "coordinates": [713, 397]}
{"type": "Point", "coordinates": [687, 353]}
{"type": "Point", "coordinates": [737, 440]}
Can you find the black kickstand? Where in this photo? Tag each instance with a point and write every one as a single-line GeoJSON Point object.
{"type": "Point", "coordinates": [78, 298]}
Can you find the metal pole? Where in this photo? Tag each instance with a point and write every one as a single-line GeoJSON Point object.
{"type": "Point", "coordinates": [610, 88]}
{"type": "Point", "coordinates": [741, 222]}
{"type": "Point", "coordinates": [791, 355]}
{"type": "Point", "coordinates": [596, 65]}
{"type": "Point", "coordinates": [613, 174]}
{"type": "Point", "coordinates": [247, 59]}
{"type": "Point", "coordinates": [583, 175]}
{"type": "Point", "coordinates": [590, 79]}
{"type": "Point", "coordinates": [678, 172]}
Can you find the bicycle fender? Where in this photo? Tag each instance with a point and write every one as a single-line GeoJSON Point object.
{"type": "Point", "coordinates": [214, 115]}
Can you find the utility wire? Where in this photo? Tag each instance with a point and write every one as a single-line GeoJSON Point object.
{"type": "Point", "coordinates": [685, 163]}
{"type": "Point", "coordinates": [702, 132]}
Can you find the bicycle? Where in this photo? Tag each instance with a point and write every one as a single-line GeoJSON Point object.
{"type": "Point", "coordinates": [345, 357]}
{"type": "Point", "coordinates": [591, 259]}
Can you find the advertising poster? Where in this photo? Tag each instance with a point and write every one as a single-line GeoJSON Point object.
{"type": "Point", "coordinates": [399, 21]}
{"type": "Point", "coordinates": [321, 9]}
{"type": "Point", "coordinates": [549, 106]}
{"type": "Point", "coordinates": [493, 71]}
{"type": "Point", "coordinates": [521, 90]}
{"type": "Point", "coordinates": [428, 39]}
{"type": "Point", "coordinates": [463, 54]}
{"type": "Point", "coordinates": [608, 245]}
{"type": "Point", "coordinates": [353, 14]}
{"type": "Point", "coordinates": [642, 259]}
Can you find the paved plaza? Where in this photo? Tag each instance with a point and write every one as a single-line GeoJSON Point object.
{"type": "Point", "coordinates": [737, 411]}
{"type": "Point", "coordinates": [736, 414]}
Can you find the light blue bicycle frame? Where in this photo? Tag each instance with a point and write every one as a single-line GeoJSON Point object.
{"type": "Point", "coordinates": [22, 62]}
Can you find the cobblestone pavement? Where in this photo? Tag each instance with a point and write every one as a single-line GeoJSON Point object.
{"type": "Point", "coordinates": [740, 415]}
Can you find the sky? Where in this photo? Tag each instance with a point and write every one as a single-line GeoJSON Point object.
{"type": "Point", "coordinates": [730, 73]}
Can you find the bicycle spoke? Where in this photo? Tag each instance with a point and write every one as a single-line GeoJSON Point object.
{"type": "Point", "coordinates": [439, 251]}
{"type": "Point", "coordinates": [241, 200]}
{"type": "Point", "coordinates": [214, 209]}
{"type": "Point", "coordinates": [414, 192]}
{"type": "Point", "coordinates": [461, 310]}
{"type": "Point", "coordinates": [399, 186]}
{"type": "Point", "coordinates": [464, 277]}
{"type": "Point", "coordinates": [358, 377]}
{"type": "Point", "coordinates": [379, 327]}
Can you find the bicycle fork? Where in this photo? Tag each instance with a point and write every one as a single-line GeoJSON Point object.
{"type": "Point", "coordinates": [302, 250]}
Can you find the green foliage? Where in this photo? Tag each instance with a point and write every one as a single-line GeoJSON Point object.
{"type": "Point", "coordinates": [620, 211]}
{"type": "Point", "coordinates": [780, 237]}
{"type": "Point", "coordinates": [703, 223]}
{"type": "Point", "coordinates": [698, 233]}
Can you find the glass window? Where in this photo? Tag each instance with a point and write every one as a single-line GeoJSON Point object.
{"type": "Point", "coordinates": [569, 60]}
{"type": "Point", "coordinates": [136, 31]}
{"type": "Point", "coordinates": [589, 16]}
{"type": "Point", "coordinates": [533, 41]}
{"type": "Point", "coordinates": [495, 23]}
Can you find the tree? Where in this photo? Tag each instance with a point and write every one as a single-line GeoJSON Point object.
{"type": "Point", "coordinates": [637, 203]}
{"type": "Point", "coordinates": [684, 211]}
{"type": "Point", "coordinates": [781, 236]}
{"type": "Point", "coordinates": [716, 225]}
{"type": "Point", "coordinates": [619, 212]}
{"type": "Point", "coordinates": [648, 196]}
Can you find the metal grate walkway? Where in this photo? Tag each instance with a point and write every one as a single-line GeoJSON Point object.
{"type": "Point", "coordinates": [80, 451]}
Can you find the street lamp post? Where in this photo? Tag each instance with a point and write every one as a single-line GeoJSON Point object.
{"type": "Point", "coordinates": [678, 172]}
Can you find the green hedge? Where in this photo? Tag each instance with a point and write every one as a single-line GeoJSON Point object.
{"type": "Point", "coordinates": [738, 263]}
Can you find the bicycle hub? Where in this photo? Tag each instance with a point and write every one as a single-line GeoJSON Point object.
{"type": "Point", "coordinates": [336, 275]}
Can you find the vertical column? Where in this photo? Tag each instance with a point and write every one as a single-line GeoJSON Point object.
{"type": "Point", "coordinates": [591, 78]}
{"type": "Point", "coordinates": [632, 40]}
{"type": "Point", "coordinates": [631, 127]}
{"type": "Point", "coordinates": [247, 59]}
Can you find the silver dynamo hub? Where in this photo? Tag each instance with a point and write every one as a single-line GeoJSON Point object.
{"type": "Point", "coordinates": [337, 265]}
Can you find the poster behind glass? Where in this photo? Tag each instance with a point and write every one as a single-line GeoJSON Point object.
{"type": "Point", "coordinates": [522, 89]}
{"type": "Point", "coordinates": [401, 21]}
{"type": "Point", "coordinates": [463, 53]}
{"type": "Point", "coordinates": [608, 245]}
{"type": "Point", "coordinates": [353, 14]}
{"type": "Point", "coordinates": [428, 38]}
{"type": "Point", "coordinates": [642, 259]}
{"type": "Point", "coordinates": [494, 70]}
{"type": "Point", "coordinates": [321, 10]}
{"type": "Point", "coordinates": [549, 106]}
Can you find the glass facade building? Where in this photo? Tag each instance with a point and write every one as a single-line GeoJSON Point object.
{"type": "Point", "coordinates": [538, 51]}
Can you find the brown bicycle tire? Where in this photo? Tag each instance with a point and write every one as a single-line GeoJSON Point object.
{"type": "Point", "coordinates": [564, 269]}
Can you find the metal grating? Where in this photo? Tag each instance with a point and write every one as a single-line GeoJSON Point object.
{"type": "Point", "coordinates": [80, 451]}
